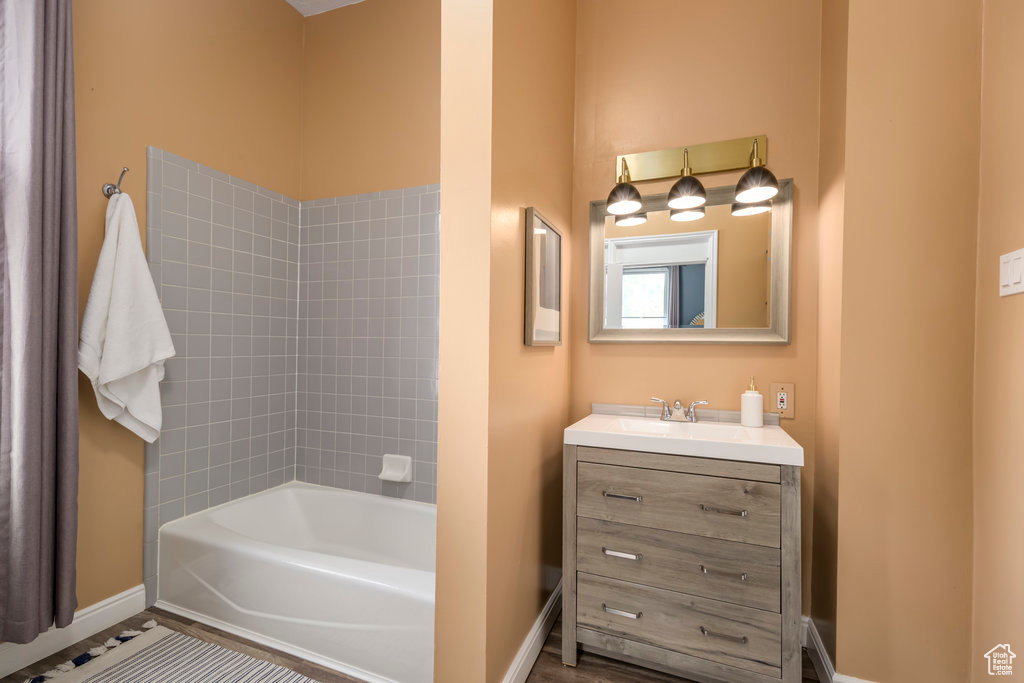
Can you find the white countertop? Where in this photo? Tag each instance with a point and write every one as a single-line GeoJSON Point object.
{"type": "Point", "coordinates": [723, 440]}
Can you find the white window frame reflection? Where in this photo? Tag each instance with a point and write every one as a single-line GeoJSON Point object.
{"type": "Point", "coordinates": [643, 322]}
{"type": "Point", "coordinates": [660, 251]}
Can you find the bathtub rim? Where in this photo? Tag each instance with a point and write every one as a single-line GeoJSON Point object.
{"type": "Point", "coordinates": [190, 520]}
{"type": "Point", "coordinates": [296, 484]}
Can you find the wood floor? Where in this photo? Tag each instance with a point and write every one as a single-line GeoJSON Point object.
{"type": "Point", "coordinates": [191, 628]}
{"type": "Point", "coordinates": [548, 669]}
{"type": "Point", "coordinates": [596, 669]}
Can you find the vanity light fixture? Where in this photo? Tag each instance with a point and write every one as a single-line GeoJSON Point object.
{"type": "Point", "coordinates": [624, 197]}
{"type": "Point", "coordinates": [757, 184]}
{"type": "Point", "coordinates": [752, 209]}
{"type": "Point", "coordinates": [688, 195]}
{"type": "Point", "coordinates": [631, 220]}
{"type": "Point", "coordinates": [686, 215]}
{"type": "Point", "coordinates": [688, 192]}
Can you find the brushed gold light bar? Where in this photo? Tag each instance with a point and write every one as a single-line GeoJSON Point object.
{"type": "Point", "coordinates": [709, 157]}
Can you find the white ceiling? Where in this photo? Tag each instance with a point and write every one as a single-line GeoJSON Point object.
{"type": "Point", "coordinates": [311, 7]}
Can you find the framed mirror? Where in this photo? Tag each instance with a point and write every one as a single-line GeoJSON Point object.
{"type": "Point", "coordinates": [543, 291]}
{"type": "Point", "coordinates": [721, 279]}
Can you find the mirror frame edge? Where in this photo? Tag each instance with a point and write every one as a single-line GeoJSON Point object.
{"type": "Point", "coordinates": [781, 282]}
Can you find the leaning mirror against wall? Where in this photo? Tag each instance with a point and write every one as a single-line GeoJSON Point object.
{"type": "Point", "coordinates": [720, 273]}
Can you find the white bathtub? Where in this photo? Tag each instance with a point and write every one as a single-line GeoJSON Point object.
{"type": "Point", "coordinates": [340, 578]}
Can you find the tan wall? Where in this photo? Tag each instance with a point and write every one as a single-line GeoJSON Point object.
{"type": "Point", "coordinates": [744, 243]}
{"type": "Point", "coordinates": [529, 386]}
{"type": "Point", "coordinates": [370, 92]}
{"type": "Point", "coordinates": [999, 351]}
{"type": "Point", "coordinates": [630, 100]}
{"type": "Point", "coordinates": [831, 204]}
{"type": "Point", "coordinates": [460, 621]}
{"type": "Point", "coordinates": [214, 81]}
{"type": "Point", "coordinates": [904, 553]}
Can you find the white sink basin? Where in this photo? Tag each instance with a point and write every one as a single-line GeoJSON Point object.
{"type": "Point", "coordinates": [728, 441]}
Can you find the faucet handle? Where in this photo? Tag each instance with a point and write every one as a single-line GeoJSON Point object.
{"type": "Point", "coordinates": [691, 412]}
{"type": "Point", "coordinates": [666, 409]}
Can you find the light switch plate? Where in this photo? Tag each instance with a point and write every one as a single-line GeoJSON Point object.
{"type": "Point", "coordinates": [1011, 273]}
{"type": "Point", "coordinates": [781, 400]}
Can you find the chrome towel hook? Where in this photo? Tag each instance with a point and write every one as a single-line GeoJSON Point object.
{"type": "Point", "coordinates": [109, 189]}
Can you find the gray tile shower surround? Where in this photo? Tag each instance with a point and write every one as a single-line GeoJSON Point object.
{"type": "Point", "coordinates": [368, 325]}
{"type": "Point", "coordinates": [306, 339]}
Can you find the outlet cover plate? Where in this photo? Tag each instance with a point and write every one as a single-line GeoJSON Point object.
{"type": "Point", "coordinates": [782, 393]}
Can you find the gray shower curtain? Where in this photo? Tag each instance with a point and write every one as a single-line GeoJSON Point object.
{"type": "Point", "coordinates": [38, 319]}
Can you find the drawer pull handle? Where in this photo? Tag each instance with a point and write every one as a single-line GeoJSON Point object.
{"type": "Point", "coordinates": [618, 553]}
{"type": "Point", "coordinates": [622, 496]}
{"type": "Point", "coordinates": [723, 511]}
{"type": "Point", "coordinates": [621, 612]}
{"type": "Point", "coordinates": [742, 576]}
{"type": "Point", "coordinates": [711, 634]}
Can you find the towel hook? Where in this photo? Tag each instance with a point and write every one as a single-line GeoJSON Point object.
{"type": "Point", "coordinates": [109, 189]}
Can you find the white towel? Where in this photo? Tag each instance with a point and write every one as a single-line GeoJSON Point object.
{"type": "Point", "coordinates": [125, 340]}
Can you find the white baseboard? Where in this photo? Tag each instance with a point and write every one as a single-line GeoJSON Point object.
{"type": "Point", "coordinates": [530, 649]}
{"type": "Point", "coordinates": [87, 622]}
{"type": "Point", "coordinates": [818, 653]}
{"type": "Point", "coordinates": [819, 656]}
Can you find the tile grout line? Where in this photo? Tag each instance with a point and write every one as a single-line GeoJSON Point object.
{"type": "Point", "coordinates": [295, 374]}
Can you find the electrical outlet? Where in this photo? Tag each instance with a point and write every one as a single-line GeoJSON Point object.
{"type": "Point", "coordinates": [781, 400]}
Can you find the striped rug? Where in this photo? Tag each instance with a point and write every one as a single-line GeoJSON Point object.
{"type": "Point", "coordinates": [164, 656]}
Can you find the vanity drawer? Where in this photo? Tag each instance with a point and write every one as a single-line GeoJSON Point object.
{"type": "Point", "coordinates": [731, 509]}
{"type": "Point", "coordinates": [737, 636]}
{"type": "Point", "coordinates": [724, 570]}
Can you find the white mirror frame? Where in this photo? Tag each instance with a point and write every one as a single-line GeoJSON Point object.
{"type": "Point", "coordinates": [781, 274]}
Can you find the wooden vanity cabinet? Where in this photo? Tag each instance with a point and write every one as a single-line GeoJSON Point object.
{"type": "Point", "coordinates": [682, 564]}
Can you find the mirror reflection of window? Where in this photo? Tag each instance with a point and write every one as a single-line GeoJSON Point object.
{"type": "Point", "coordinates": [661, 281]}
{"type": "Point", "coordinates": [666, 296]}
{"type": "Point", "coordinates": [711, 273]}
{"type": "Point", "coordinates": [645, 297]}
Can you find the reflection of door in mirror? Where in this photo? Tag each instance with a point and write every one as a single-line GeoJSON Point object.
{"type": "Point", "coordinates": [661, 281]}
{"type": "Point", "coordinates": [712, 273]}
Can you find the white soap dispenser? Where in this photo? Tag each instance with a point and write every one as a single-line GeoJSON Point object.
{"type": "Point", "coordinates": [752, 407]}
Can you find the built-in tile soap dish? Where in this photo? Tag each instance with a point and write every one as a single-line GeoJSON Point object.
{"type": "Point", "coordinates": [396, 468]}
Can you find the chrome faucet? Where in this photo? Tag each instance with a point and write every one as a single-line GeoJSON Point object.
{"type": "Point", "coordinates": [690, 414]}
{"type": "Point", "coordinates": [668, 411]}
